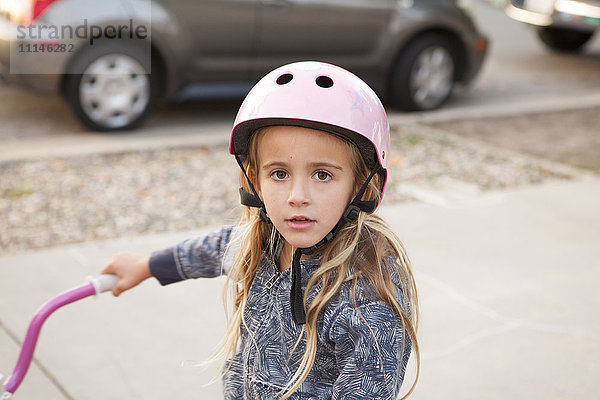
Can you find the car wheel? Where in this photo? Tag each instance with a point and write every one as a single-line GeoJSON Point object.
{"type": "Point", "coordinates": [562, 39]}
{"type": "Point", "coordinates": [423, 78]}
{"type": "Point", "coordinates": [110, 87]}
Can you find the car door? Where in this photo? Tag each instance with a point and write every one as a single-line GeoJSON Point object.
{"type": "Point", "coordinates": [221, 35]}
{"type": "Point", "coordinates": [348, 33]}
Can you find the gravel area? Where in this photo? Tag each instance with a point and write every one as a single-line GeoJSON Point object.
{"type": "Point", "coordinates": [571, 137]}
{"type": "Point", "coordinates": [49, 202]}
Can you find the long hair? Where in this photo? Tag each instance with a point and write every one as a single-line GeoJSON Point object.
{"type": "Point", "coordinates": [358, 252]}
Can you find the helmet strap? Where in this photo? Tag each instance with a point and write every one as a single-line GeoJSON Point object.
{"type": "Point", "coordinates": [351, 214]}
{"type": "Point", "coordinates": [252, 199]}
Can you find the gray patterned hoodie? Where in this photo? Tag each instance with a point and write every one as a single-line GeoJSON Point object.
{"type": "Point", "coordinates": [362, 348]}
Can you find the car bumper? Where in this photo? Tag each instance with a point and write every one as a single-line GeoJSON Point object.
{"type": "Point", "coordinates": [35, 70]}
{"type": "Point", "coordinates": [580, 15]}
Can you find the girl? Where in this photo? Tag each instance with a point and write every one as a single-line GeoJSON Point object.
{"type": "Point", "coordinates": [324, 301]}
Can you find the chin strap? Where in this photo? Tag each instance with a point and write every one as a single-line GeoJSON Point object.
{"type": "Point", "coordinates": [350, 214]}
{"type": "Point", "coordinates": [296, 295]}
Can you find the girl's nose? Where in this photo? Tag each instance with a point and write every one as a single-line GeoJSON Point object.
{"type": "Point", "coordinates": [299, 193]}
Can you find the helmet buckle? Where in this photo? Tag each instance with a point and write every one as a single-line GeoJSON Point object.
{"type": "Point", "coordinates": [351, 213]}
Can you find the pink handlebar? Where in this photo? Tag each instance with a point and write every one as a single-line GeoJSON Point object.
{"type": "Point", "coordinates": [98, 285]}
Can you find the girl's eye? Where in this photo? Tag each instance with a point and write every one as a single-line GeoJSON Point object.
{"type": "Point", "coordinates": [279, 175]}
{"type": "Point", "coordinates": [322, 176]}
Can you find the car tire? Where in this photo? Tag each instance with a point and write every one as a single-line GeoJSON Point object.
{"type": "Point", "coordinates": [561, 39]}
{"type": "Point", "coordinates": [424, 75]}
{"type": "Point", "coordinates": [109, 86]}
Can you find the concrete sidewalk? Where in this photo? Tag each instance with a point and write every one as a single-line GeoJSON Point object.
{"type": "Point", "coordinates": [509, 303]}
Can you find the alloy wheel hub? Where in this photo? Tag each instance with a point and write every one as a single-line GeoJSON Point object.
{"type": "Point", "coordinates": [114, 90]}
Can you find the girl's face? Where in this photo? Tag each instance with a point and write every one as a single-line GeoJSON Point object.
{"type": "Point", "coordinates": [306, 180]}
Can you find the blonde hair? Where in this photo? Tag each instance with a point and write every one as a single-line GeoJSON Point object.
{"type": "Point", "coordinates": [359, 251]}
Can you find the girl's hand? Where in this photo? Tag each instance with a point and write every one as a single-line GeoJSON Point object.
{"type": "Point", "coordinates": [130, 268]}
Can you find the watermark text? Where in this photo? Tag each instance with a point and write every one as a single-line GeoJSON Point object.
{"type": "Point", "coordinates": [84, 31]}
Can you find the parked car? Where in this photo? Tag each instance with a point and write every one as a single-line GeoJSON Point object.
{"type": "Point", "coordinates": [563, 25]}
{"type": "Point", "coordinates": [112, 59]}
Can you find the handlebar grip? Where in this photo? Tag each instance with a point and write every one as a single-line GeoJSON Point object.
{"type": "Point", "coordinates": [104, 283]}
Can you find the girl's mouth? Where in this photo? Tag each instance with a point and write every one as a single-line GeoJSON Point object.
{"type": "Point", "coordinates": [300, 222]}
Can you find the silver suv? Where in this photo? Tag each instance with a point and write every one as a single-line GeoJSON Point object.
{"type": "Point", "coordinates": [113, 59]}
{"type": "Point", "coordinates": [563, 25]}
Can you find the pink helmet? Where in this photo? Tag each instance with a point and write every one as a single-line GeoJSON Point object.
{"type": "Point", "coordinates": [319, 96]}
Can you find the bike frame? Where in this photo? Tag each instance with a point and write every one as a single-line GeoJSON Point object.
{"type": "Point", "coordinates": [96, 286]}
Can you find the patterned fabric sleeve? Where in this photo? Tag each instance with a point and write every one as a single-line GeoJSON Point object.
{"type": "Point", "coordinates": [370, 353]}
{"type": "Point", "coordinates": [233, 381]}
{"type": "Point", "coordinates": [205, 256]}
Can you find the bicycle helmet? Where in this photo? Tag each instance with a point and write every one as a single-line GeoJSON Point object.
{"type": "Point", "coordinates": [324, 97]}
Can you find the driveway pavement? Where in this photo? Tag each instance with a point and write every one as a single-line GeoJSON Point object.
{"type": "Point", "coordinates": [508, 287]}
{"type": "Point", "coordinates": [507, 280]}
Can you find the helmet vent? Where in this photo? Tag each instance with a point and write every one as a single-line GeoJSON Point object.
{"type": "Point", "coordinates": [285, 78]}
{"type": "Point", "coordinates": [324, 81]}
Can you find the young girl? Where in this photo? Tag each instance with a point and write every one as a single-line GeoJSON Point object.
{"type": "Point", "coordinates": [324, 301]}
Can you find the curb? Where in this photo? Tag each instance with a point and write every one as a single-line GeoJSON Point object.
{"type": "Point", "coordinates": [217, 133]}
{"type": "Point", "coordinates": [502, 108]}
